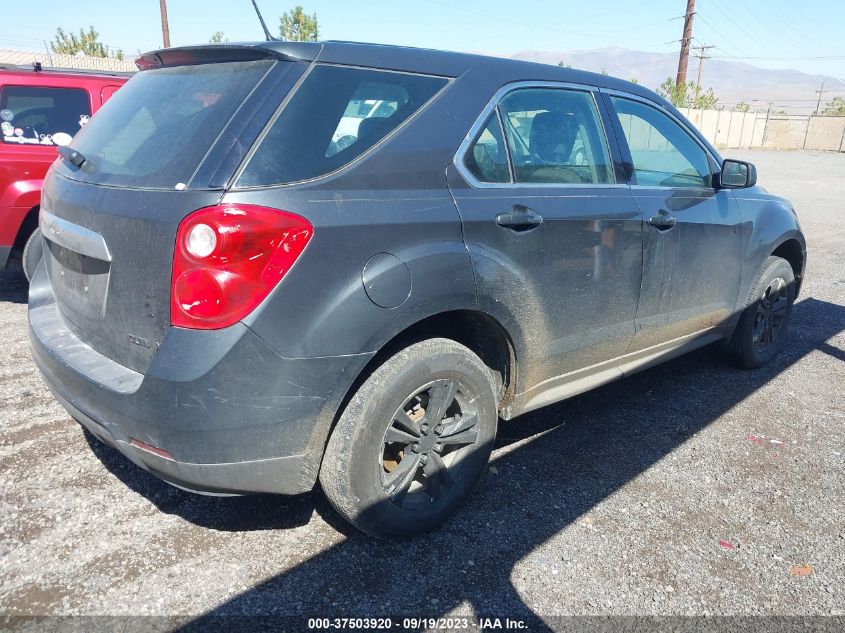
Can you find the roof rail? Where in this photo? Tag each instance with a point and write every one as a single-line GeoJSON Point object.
{"type": "Point", "coordinates": [39, 67]}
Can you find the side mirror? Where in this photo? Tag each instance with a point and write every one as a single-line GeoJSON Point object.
{"type": "Point", "coordinates": [737, 174]}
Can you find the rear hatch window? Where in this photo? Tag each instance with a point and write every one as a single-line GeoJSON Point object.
{"type": "Point", "coordinates": [337, 114]}
{"type": "Point", "coordinates": [156, 130]}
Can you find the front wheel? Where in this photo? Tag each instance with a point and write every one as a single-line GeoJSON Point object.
{"type": "Point", "coordinates": [412, 441]}
{"type": "Point", "coordinates": [762, 327]}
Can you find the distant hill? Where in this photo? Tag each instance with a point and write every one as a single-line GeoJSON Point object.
{"type": "Point", "coordinates": [733, 81]}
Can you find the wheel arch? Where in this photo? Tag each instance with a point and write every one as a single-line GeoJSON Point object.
{"type": "Point", "coordinates": [791, 249]}
{"type": "Point", "coordinates": [477, 330]}
{"type": "Point", "coordinates": [473, 328]}
{"type": "Point", "coordinates": [27, 226]}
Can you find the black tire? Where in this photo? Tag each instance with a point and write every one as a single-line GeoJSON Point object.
{"type": "Point", "coordinates": [762, 327]}
{"type": "Point", "coordinates": [371, 456]}
{"type": "Point", "coordinates": [32, 254]}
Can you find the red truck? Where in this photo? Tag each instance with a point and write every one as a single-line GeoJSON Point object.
{"type": "Point", "coordinates": [39, 111]}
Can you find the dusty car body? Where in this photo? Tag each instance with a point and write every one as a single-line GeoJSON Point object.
{"type": "Point", "coordinates": [510, 235]}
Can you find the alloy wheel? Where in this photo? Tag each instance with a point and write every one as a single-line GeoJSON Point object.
{"type": "Point", "coordinates": [771, 312]}
{"type": "Point", "coordinates": [425, 441]}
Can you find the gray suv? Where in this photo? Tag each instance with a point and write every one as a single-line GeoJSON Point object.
{"type": "Point", "coordinates": [273, 263]}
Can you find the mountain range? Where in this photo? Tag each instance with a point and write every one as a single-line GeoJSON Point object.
{"type": "Point", "coordinates": [733, 81]}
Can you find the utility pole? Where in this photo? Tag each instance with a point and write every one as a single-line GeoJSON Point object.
{"type": "Point", "coordinates": [165, 29]}
{"type": "Point", "coordinates": [702, 55]}
{"type": "Point", "coordinates": [683, 60]}
{"type": "Point", "coordinates": [820, 92]}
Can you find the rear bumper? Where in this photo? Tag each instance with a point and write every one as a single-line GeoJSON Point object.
{"type": "Point", "coordinates": [235, 416]}
{"type": "Point", "coordinates": [281, 475]}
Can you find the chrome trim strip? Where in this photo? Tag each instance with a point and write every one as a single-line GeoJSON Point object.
{"type": "Point", "coordinates": [476, 127]}
{"type": "Point", "coordinates": [74, 237]}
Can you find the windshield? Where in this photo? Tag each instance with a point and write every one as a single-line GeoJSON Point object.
{"type": "Point", "coordinates": [156, 130]}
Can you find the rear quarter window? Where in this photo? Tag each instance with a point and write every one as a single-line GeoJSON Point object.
{"type": "Point", "coordinates": [32, 115]}
{"type": "Point", "coordinates": [337, 114]}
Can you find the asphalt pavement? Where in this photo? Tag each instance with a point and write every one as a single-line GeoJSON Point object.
{"type": "Point", "coordinates": [690, 489]}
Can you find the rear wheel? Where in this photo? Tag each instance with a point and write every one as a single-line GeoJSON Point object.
{"type": "Point", "coordinates": [761, 329]}
{"type": "Point", "coordinates": [412, 441]}
{"type": "Point", "coordinates": [32, 254]}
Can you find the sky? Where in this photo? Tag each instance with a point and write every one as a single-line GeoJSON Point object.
{"type": "Point", "coordinates": [807, 35]}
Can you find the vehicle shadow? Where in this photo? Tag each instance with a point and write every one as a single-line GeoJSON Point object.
{"type": "Point", "coordinates": [590, 446]}
{"type": "Point", "coordinates": [13, 286]}
{"type": "Point", "coordinates": [228, 514]}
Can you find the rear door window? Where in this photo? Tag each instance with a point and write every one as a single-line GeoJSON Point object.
{"type": "Point", "coordinates": [31, 115]}
{"type": "Point", "coordinates": [487, 158]}
{"type": "Point", "coordinates": [155, 131]}
{"type": "Point", "coordinates": [336, 115]}
{"type": "Point", "coordinates": [555, 136]}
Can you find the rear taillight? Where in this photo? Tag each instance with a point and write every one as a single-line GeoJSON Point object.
{"type": "Point", "coordinates": [228, 258]}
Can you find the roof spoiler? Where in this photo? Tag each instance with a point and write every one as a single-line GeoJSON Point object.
{"type": "Point", "coordinates": [216, 53]}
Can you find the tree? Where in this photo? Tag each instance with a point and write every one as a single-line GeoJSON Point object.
{"type": "Point", "coordinates": [742, 107]}
{"type": "Point", "coordinates": [217, 38]}
{"type": "Point", "coordinates": [689, 95]}
{"type": "Point", "coordinates": [298, 27]}
{"type": "Point", "coordinates": [634, 80]}
{"type": "Point", "coordinates": [836, 107]}
{"type": "Point", "coordinates": [670, 91]}
{"type": "Point", "coordinates": [87, 43]}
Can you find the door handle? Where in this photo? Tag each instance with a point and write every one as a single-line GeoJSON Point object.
{"type": "Point", "coordinates": [663, 221]}
{"type": "Point", "coordinates": [519, 219]}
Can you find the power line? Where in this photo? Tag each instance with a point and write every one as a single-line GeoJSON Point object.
{"type": "Point", "coordinates": [740, 27]}
{"type": "Point", "coordinates": [554, 29]}
{"type": "Point", "coordinates": [720, 35]}
{"type": "Point", "coordinates": [767, 22]}
{"type": "Point", "coordinates": [832, 57]}
{"type": "Point", "coordinates": [511, 21]}
{"type": "Point", "coordinates": [28, 43]}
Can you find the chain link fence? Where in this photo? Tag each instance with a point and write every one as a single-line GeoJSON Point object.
{"type": "Point", "coordinates": [47, 59]}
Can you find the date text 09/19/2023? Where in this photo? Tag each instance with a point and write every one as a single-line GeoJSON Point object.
{"type": "Point", "coordinates": [420, 623]}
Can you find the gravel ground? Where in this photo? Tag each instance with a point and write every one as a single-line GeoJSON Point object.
{"type": "Point", "coordinates": [692, 488]}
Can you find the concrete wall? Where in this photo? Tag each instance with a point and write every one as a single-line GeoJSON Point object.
{"type": "Point", "coordinates": [786, 132]}
{"type": "Point", "coordinates": [727, 129]}
{"type": "Point", "coordinates": [826, 132]}
{"type": "Point", "coordinates": [744, 130]}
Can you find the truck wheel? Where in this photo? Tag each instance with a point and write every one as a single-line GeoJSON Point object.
{"type": "Point", "coordinates": [412, 441]}
{"type": "Point", "coordinates": [32, 254]}
{"type": "Point", "coordinates": [761, 329]}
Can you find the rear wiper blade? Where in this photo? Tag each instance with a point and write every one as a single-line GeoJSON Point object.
{"type": "Point", "coordinates": [71, 155]}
